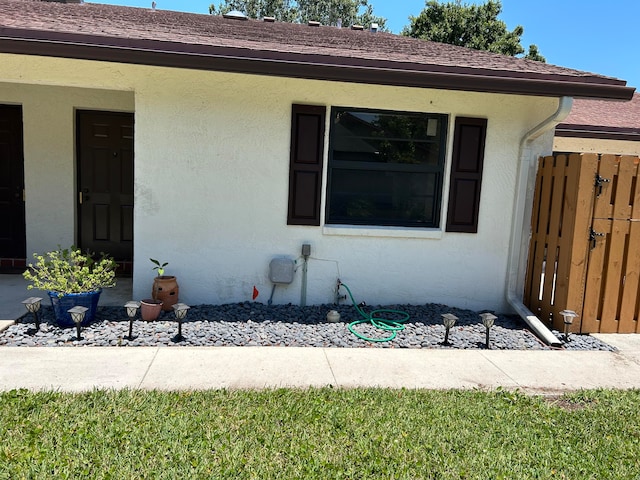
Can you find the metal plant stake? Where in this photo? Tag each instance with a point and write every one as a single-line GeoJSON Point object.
{"type": "Point", "coordinates": [77, 315]}
{"type": "Point", "coordinates": [449, 320]}
{"type": "Point", "coordinates": [132, 308]}
{"type": "Point", "coordinates": [180, 310]}
{"type": "Point", "coordinates": [568, 315]}
{"type": "Point", "coordinates": [488, 320]}
{"type": "Point", "coordinates": [33, 306]}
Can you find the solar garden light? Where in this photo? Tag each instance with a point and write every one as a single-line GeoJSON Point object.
{"type": "Point", "coordinates": [488, 320]}
{"type": "Point", "coordinates": [33, 305]}
{"type": "Point", "coordinates": [132, 307]}
{"type": "Point", "coordinates": [568, 315]}
{"type": "Point", "coordinates": [180, 310]}
{"type": "Point", "coordinates": [449, 320]}
{"type": "Point", "coordinates": [77, 315]}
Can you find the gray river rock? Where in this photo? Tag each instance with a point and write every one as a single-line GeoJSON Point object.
{"type": "Point", "coordinates": [255, 324]}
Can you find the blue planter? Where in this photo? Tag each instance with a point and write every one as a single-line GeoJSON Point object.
{"type": "Point", "coordinates": [62, 304]}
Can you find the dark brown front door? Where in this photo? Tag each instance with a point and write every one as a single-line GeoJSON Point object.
{"type": "Point", "coordinates": [105, 182]}
{"type": "Point", "coordinates": [12, 225]}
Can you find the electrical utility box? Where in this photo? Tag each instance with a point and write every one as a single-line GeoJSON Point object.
{"type": "Point", "coordinates": [281, 270]}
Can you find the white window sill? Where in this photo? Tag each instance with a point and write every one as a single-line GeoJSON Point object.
{"type": "Point", "coordinates": [375, 231]}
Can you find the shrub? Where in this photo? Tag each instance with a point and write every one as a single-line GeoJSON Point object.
{"type": "Point", "coordinates": [68, 270]}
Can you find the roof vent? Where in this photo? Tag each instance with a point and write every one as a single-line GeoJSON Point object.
{"type": "Point", "coordinates": [269, 19]}
{"type": "Point", "coordinates": [357, 27]}
{"type": "Point", "coordinates": [313, 23]}
{"type": "Point", "coordinates": [235, 15]}
{"type": "Point", "coordinates": [374, 27]}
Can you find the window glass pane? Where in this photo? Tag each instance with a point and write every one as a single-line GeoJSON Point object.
{"type": "Point", "coordinates": [383, 198]}
{"type": "Point", "coordinates": [352, 123]}
{"type": "Point", "coordinates": [385, 168]}
{"type": "Point", "coordinates": [385, 151]}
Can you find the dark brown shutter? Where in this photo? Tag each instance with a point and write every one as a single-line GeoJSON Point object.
{"type": "Point", "coordinates": [305, 169]}
{"type": "Point", "coordinates": [466, 174]}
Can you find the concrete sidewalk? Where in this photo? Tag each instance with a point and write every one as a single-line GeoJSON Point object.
{"type": "Point", "coordinates": [196, 368]}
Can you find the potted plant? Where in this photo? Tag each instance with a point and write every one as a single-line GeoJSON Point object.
{"type": "Point", "coordinates": [165, 287]}
{"type": "Point", "coordinates": [150, 309]}
{"type": "Point", "coordinates": [71, 279]}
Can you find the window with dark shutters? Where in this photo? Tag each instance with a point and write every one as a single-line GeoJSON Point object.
{"type": "Point", "coordinates": [305, 169]}
{"type": "Point", "coordinates": [466, 174]}
{"type": "Point", "coordinates": [385, 168]}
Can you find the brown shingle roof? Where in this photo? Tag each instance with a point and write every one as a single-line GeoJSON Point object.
{"type": "Point", "coordinates": [160, 37]}
{"type": "Point", "coordinates": [606, 113]}
{"type": "Point", "coordinates": [603, 119]}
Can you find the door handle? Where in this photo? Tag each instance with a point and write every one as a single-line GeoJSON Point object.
{"type": "Point", "coordinates": [82, 195]}
{"type": "Point", "coordinates": [19, 194]}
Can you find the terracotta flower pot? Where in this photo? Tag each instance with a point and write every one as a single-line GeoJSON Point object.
{"type": "Point", "coordinates": [166, 289]}
{"type": "Point", "coordinates": [150, 309]}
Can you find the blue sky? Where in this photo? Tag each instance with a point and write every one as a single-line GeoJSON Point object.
{"type": "Point", "coordinates": [591, 35]}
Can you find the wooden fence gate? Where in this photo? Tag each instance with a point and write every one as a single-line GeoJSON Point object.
{"type": "Point", "coordinates": [585, 247]}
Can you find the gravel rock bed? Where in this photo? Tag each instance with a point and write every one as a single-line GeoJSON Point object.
{"type": "Point", "coordinates": [255, 324]}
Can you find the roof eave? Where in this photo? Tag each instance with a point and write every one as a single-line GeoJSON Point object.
{"type": "Point", "coordinates": [296, 65]}
{"type": "Point", "coordinates": [598, 132]}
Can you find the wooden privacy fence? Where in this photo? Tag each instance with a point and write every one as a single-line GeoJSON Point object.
{"type": "Point", "coordinates": [585, 247]}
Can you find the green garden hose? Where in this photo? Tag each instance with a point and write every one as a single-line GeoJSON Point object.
{"type": "Point", "coordinates": [381, 323]}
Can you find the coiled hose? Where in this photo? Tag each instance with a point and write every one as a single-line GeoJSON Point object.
{"type": "Point", "coordinates": [385, 324]}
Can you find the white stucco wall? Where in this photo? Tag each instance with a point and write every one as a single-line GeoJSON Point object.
{"type": "Point", "coordinates": [212, 170]}
{"type": "Point", "coordinates": [595, 145]}
{"type": "Point", "coordinates": [48, 116]}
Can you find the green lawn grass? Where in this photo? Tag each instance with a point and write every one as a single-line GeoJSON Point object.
{"type": "Point", "coordinates": [319, 433]}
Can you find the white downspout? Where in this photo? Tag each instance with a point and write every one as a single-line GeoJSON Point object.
{"type": "Point", "coordinates": [519, 241]}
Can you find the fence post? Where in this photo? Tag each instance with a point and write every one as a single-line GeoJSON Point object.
{"type": "Point", "coordinates": [629, 315]}
{"type": "Point", "coordinates": [578, 207]}
{"type": "Point", "coordinates": [533, 279]}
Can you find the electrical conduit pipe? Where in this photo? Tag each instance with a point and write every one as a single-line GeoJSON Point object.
{"type": "Point", "coordinates": [518, 244]}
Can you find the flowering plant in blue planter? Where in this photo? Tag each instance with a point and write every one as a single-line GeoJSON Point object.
{"type": "Point", "coordinates": [71, 278]}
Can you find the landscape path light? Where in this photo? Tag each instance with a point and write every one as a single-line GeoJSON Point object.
{"type": "Point", "coordinates": [449, 320]}
{"type": "Point", "coordinates": [180, 310]}
{"type": "Point", "coordinates": [33, 306]}
{"type": "Point", "coordinates": [488, 319]}
{"type": "Point", "coordinates": [568, 315]}
{"type": "Point", "coordinates": [77, 315]}
{"type": "Point", "coordinates": [132, 308]}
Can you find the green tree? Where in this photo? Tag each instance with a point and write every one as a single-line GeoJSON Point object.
{"type": "Point", "coordinates": [472, 26]}
{"type": "Point", "coordinates": [534, 54]}
{"type": "Point", "coordinates": [327, 12]}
